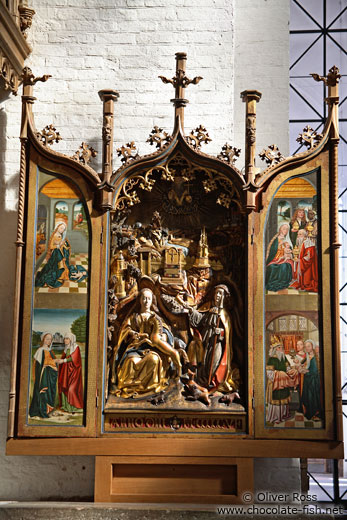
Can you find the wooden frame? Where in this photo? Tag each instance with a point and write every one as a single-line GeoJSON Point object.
{"type": "Point", "coordinates": [37, 164]}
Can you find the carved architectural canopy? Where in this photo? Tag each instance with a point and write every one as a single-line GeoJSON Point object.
{"type": "Point", "coordinates": [15, 18]}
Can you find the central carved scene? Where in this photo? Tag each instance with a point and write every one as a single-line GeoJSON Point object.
{"type": "Point", "coordinates": [176, 331]}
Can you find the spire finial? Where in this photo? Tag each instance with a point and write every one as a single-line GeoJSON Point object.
{"type": "Point", "coordinates": [180, 81]}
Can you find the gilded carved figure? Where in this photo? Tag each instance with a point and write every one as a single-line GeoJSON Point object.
{"type": "Point", "coordinates": [210, 352]}
{"type": "Point", "coordinates": [145, 356]}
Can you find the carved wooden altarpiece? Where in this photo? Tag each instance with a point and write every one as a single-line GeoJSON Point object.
{"type": "Point", "coordinates": [177, 317]}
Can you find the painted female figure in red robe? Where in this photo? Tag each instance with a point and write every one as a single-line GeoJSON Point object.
{"type": "Point", "coordinates": [306, 270]}
{"type": "Point", "coordinates": [70, 386]}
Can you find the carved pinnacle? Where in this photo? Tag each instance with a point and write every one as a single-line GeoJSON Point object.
{"type": "Point", "coordinates": [181, 80]}
{"type": "Point", "coordinates": [29, 78]}
{"type": "Point", "coordinates": [331, 79]}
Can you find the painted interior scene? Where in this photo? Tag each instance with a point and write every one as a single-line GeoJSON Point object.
{"type": "Point", "coordinates": [293, 366]}
{"type": "Point", "coordinates": [292, 358]}
{"type": "Point", "coordinates": [291, 239]}
{"type": "Point", "coordinates": [58, 355]}
{"type": "Point", "coordinates": [62, 238]}
{"type": "Point", "coordinates": [176, 293]}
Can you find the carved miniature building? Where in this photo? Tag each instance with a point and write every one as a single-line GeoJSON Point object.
{"type": "Point", "coordinates": [170, 313]}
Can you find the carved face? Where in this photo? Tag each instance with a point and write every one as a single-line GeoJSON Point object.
{"type": "Point", "coordinates": [146, 299]}
{"type": "Point", "coordinates": [219, 297]}
{"type": "Point", "coordinates": [204, 273]}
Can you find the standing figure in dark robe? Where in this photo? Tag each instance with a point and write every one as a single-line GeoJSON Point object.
{"type": "Point", "coordinates": [279, 261]}
{"type": "Point", "coordinates": [311, 391]}
{"type": "Point", "coordinates": [58, 268]}
{"type": "Point", "coordinates": [211, 349]}
{"type": "Point", "coordinates": [45, 379]}
{"type": "Point", "coordinates": [70, 385]}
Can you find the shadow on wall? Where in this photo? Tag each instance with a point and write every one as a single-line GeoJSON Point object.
{"type": "Point", "coordinates": [7, 238]}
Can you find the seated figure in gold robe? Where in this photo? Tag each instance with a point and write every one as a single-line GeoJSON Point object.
{"type": "Point", "coordinates": [144, 355]}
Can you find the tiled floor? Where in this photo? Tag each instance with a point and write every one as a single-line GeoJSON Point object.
{"type": "Point", "coordinates": [297, 420]}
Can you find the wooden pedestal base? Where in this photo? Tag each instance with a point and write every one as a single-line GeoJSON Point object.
{"type": "Point", "coordinates": [198, 480]}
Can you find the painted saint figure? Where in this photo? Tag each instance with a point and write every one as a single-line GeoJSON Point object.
{"type": "Point", "coordinates": [306, 266]}
{"type": "Point", "coordinates": [58, 268]}
{"type": "Point", "coordinates": [70, 385]}
{"type": "Point", "coordinates": [211, 349]}
{"type": "Point", "coordinates": [45, 379]}
{"type": "Point", "coordinates": [311, 394]}
{"type": "Point", "coordinates": [144, 353]}
{"type": "Point", "coordinates": [299, 361]}
{"type": "Point", "coordinates": [280, 378]}
{"type": "Point", "coordinates": [298, 222]}
{"type": "Point", "coordinates": [279, 261]}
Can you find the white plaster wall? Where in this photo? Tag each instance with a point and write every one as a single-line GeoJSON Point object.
{"type": "Point", "coordinates": [87, 45]}
{"type": "Point", "coordinates": [261, 62]}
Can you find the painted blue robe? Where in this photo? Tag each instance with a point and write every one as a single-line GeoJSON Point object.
{"type": "Point", "coordinates": [310, 397]}
{"type": "Point", "coordinates": [45, 387]}
{"type": "Point", "coordinates": [58, 268]}
{"type": "Point", "coordinates": [278, 276]}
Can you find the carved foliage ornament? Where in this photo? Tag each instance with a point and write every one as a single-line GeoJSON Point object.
{"type": "Point", "coordinates": [48, 135]}
{"type": "Point", "coordinates": [159, 138]}
{"type": "Point", "coordinates": [197, 137]}
{"type": "Point", "coordinates": [129, 196]}
{"type": "Point", "coordinates": [229, 153]}
{"type": "Point", "coordinates": [84, 154]}
{"type": "Point", "coordinates": [271, 155]}
{"type": "Point", "coordinates": [211, 181]}
{"type": "Point", "coordinates": [128, 153]}
{"type": "Point", "coordinates": [309, 137]}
